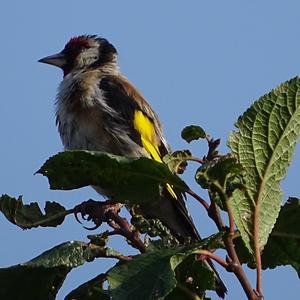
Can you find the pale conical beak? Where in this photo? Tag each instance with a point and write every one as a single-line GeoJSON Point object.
{"type": "Point", "coordinates": [58, 60]}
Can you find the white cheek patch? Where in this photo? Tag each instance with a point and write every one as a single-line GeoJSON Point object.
{"type": "Point", "coordinates": [87, 57]}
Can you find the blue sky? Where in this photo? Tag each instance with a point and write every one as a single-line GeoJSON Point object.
{"type": "Point", "coordinates": [197, 62]}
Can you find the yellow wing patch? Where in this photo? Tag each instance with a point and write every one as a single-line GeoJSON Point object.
{"type": "Point", "coordinates": [149, 140]}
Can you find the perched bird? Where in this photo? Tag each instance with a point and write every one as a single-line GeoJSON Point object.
{"type": "Point", "coordinates": [99, 109]}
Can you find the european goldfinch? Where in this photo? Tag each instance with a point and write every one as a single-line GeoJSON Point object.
{"type": "Point", "coordinates": [98, 109]}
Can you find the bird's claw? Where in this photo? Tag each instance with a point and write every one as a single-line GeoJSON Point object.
{"type": "Point", "coordinates": [94, 211]}
{"type": "Point", "coordinates": [89, 211]}
{"type": "Point", "coordinates": [76, 216]}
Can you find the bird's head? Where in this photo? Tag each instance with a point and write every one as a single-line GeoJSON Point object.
{"type": "Point", "coordinates": [83, 52]}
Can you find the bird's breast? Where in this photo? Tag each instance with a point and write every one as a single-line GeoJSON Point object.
{"type": "Point", "coordinates": [83, 130]}
{"type": "Point", "coordinates": [80, 113]}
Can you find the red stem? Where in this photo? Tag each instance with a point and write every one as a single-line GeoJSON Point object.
{"type": "Point", "coordinates": [257, 254]}
{"type": "Point", "coordinates": [125, 230]}
{"type": "Point", "coordinates": [234, 265]}
{"type": "Point", "coordinates": [199, 199]}
{"type": "Point", "coordinates": [196, 159]}
{"type": "Point", "coordinates": [121, 257]}
{"type": "Point", "coordinates": [214, 257]}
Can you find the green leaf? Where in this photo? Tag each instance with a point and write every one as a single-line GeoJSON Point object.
{"type": "Point", "coordinates": [41, 277]}
{"type": "Point", "coordinates": [192, 275]}
{"type": "Point", "coordinates": [152, 275]}
{"type": "Point", "coordinates": [29, 215]}
{"type": "Point", "coordinates": [91, 290]}
{"type": "Point", "coordinates": [193, 132]}
{"type": "Point", "coordinates": [218, 172]}
{"type": "Point", "coordinates": [283, 245]}
{"type": "Point", "coordinates": [177, 161]}
{"type": "Point", "coordinates": [220, 177]}
{"type": "Point", "coordinates": [180, 293]}
{"type": "Point", "coordinates": [139, 279]}
{"type": "Point", "coordinates": [133, 180]}
{"type": "Point", "coordinates": [264, 145]}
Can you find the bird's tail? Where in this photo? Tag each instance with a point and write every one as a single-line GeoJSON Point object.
{"type": "Point", "coordinates": [173, 213]}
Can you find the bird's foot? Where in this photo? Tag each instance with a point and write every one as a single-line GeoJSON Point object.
{"type": "Point", "coordinates": [95, 211]}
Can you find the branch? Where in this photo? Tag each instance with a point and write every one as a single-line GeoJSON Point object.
{"type": "Point", "coordinates": [228, 241]}
{"type": "Point", "coordinates": [196, 159]}
{"type": "Point", "coordinates": [121, 257]}
{"type": "Point", "coordinates": [199, 199]}
{"type": "Point", "coordinates": [224, 197]}
{"type": "Point", "coordinates": [214, 257]}
{"type": "Point", "coordinates": [234, 264]}
{"type": "Point", "coordinates": [108, 212]}
{"type": "Point", "coordinates": [125, 230]}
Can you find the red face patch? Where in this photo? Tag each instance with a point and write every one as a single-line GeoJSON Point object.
{"type": "Point", "coordinates": [78, 42]}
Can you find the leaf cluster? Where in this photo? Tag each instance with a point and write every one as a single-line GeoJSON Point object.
{"type": "Point", "coordinates": [260, 230]}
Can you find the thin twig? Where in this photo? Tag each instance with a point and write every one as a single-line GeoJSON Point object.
{"type": "Point", "coordinates": [108, 211]}
{"type": "Point", "coordinates": [199, 199]}
{"type": "Point", "coordinates": [231, 219]}
{"type": "Point", "coordinates": [125, 230]}
{"type": "Point", "coordinates": [225, 200]}
{"type": "Point", "coordinates": [121, 257]}
{"type": "Point", "coordinates": [214, 213]}
{"type": "Point", "coordinates": [234, 265]}
{"type": "Point", "coordinates": [196, 159]}
{"type": "Point", "coordinates": [214, 257]}
{"type": "Point", "coordinates": [234, 262]}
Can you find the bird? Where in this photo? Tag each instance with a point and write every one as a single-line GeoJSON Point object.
{"type": "Point", "coordinates": [99, 109]}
